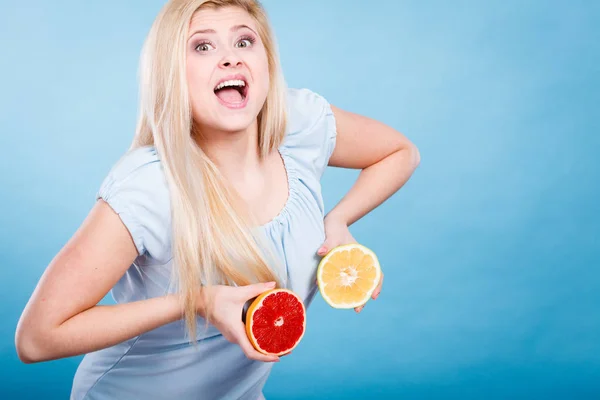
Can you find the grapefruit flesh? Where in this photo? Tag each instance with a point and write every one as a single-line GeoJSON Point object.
{"type": "Point", "coordinates": [348, 275]}
{"type": "Point", "coordinates": [276, 322]}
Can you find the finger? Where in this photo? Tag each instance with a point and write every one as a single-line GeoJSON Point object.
{"type": "Point", "coordinates": [250, 351]}
{"type": "Point", "coordinates": [323, 250]}
{"type": "Point", "coordinates": [359, 308]}
{"type": "Point", "coordinates": [378, 288]}
{"type": "Point", "coordinates": [327, 246]}
{"type": "Point", "coordinates": [251, 291]}
{"type": "Point", "coordinates": [253, 354]}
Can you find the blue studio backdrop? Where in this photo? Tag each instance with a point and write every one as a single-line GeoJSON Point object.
{"type": "Point", "coordinates": [491, 251]}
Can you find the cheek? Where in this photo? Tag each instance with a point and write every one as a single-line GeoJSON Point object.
{"type": "Point", "coordinates": [197, 81]}
{"type": "Point", "coordinates": [263, 71]}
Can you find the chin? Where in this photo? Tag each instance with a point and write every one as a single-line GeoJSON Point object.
{"type": "Point", "coordinates": [230, 122]}
{"type": "Point", "coordinates": [234, 126]}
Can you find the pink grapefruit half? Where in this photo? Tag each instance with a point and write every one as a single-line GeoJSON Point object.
{"type": "Point", "coordinates": [276, 322]}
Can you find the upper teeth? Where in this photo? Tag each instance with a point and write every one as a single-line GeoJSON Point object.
{"type": "Point", "coordinates": [235, 82]}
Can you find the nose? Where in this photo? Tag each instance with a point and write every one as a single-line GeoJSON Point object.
{"type": "Point", "coordinates": [231, 60]}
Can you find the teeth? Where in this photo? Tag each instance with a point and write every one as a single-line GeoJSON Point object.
{"type": "Point", "coordinates": [236, 82]}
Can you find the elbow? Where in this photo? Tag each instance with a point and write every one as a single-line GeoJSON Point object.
{"type": "Point", "coordinates": [28, 346]}
{"type": "Point", "coordinates": [27, 358]}
{"type": "Point", "coordinates": [25, 351]}
{"type": "Point", "coordinates": [409, 154]}
{"type": "Point", "coordinates": [412, 156]}
{"type": "Point", "coordinates": [416, 156]}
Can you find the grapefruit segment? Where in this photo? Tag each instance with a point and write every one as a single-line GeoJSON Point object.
{"type": "Point", "coordinates": [276, 322]}
{"type": "Point", "coordinates": [348, 275]}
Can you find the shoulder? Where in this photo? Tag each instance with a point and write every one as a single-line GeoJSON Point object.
{"type": "Point", "coordinates": [141, 161]}
{"type": "Point", "coordinates": [306, 109]}
{"type": "Point", "coordinates": [136, 189]}
{"type": "Point", "coordinates": [311, 129]}
{"type": "Point", "coordinates": [135, 177]}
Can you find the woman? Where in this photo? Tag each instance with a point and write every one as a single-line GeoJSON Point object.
{"type": "Point", "coordinates": [217, 201]}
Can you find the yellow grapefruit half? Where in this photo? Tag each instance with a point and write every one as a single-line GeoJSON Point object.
{"type": "Point", "coordinates": [348, 275]}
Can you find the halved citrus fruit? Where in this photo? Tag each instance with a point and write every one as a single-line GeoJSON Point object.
{"type": "Point", "coordinates": [276, 322]}
{"type": "Point", "coordinates": [348, 275]}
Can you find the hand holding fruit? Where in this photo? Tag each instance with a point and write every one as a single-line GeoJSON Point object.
{"type": "Point", "coordinates": [224, 309]}
{"type": "Point", "coordinates": [347, 264]}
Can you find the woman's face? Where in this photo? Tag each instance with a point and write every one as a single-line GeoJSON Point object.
{"type": "Point", "coordinates": [227, 69]}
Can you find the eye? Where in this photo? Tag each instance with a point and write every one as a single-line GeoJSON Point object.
{"type": "Point", "coordinates": [245, 42]}
{"type": "Point", "coordinates": [204, 47]}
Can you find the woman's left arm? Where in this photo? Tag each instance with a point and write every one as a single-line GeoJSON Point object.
{"type": "Point", "coordinates": [387, 160]}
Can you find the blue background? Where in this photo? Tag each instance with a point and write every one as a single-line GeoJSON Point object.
{"type": "Point", "coordinates": [491, 251]}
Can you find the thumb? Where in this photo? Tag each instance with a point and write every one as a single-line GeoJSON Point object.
{"type": "Point", "coordinates": [326, 247]}
{"type": "Point", "coordinates": [251, 291]}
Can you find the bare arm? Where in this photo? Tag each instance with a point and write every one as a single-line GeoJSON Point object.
{"type": "Point", "coordinates": [385, 156]}
{"type": "Point", "coordinates": [386, 159]}
{"type": "Point", "coordinates": [62, 317]}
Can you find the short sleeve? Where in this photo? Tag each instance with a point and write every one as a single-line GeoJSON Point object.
{"type": "Point", "coordinates": [136, 190]}
{"type": "Point", "coordinates": [311, 132]}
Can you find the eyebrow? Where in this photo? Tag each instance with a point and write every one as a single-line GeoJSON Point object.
{"type": "Point", "coordinates": [233, 29]}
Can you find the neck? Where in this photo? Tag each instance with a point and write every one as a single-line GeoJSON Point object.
{"type": "Point", "coordinates": [234, 153]}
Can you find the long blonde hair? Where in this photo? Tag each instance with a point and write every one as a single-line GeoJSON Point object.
{"type": "Point", "coordinates": [214, 241]}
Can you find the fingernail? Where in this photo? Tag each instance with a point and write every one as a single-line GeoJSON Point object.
{"type": "Point", "coordinates": [271, 284]}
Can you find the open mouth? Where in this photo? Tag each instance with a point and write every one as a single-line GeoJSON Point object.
{"type": "Point", "coordinates": [232, 91]}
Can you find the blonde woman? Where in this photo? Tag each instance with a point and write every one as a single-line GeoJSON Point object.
{"type": "Point", "coordinates": [217, 200]}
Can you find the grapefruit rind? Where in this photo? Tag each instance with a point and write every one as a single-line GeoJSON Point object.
{"type": "Point", "coordinates": [256, 304]}
{"type": "Point", "coordinates": [368, 293]}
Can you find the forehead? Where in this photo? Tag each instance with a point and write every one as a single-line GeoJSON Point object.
{"type": "Point", "coordinates": [220, 18]}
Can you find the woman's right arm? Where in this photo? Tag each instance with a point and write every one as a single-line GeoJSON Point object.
{"type": "Point", "coordinates": [62, 318]}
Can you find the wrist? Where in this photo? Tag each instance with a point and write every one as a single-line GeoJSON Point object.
{"type": "Point", "coordinates": [171, 306]}
{"type": "Point", "coordinates": [337, 217]}
{"type": "Point", "coordinates": [204, 299]}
